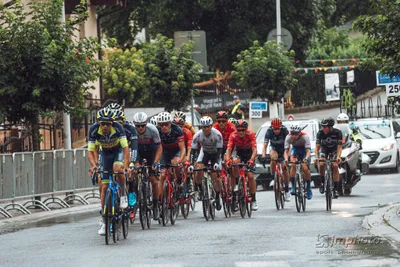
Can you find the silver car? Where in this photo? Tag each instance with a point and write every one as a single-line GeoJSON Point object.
{"type": "Point", "coordinates": [263, 175]}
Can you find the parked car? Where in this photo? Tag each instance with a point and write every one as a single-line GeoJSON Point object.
{"type": "Point", "coordinates": [381, 142]}
{"type": "Point", "coordinates": [263, 175]}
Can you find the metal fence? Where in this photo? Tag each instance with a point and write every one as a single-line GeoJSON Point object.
{"type": "Point", "coordinates": [33, 176]}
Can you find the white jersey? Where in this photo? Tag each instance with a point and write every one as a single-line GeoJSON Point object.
{"type": "Point", "coordinates": [209, 144]}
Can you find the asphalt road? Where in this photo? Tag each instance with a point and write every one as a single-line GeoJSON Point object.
{"type": "Point", "coordinates": [269, 238]}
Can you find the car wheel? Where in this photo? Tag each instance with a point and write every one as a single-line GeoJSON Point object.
{"type": "Point", "coordinates": [397, 168]}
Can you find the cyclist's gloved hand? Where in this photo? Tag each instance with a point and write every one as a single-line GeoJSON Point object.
{"type": "Point", "coordinates": [250, 163]}
{"type": "Point", "coordinates": [229, 162]}
{"type": "Point", "coordinates": [216, 166]}
{"type": "Point", "coordinates": [155, 165]}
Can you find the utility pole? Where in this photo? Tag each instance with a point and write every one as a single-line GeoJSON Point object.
{"type": "Point", "coordinates": [278, 22]}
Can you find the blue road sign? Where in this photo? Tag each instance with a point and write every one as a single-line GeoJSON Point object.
{"type": "Point", "coordinates": [382, 79]}
{"type": "Point", "coordinates": [258, 105]}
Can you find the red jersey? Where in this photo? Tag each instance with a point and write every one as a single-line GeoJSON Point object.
{"type": "Point", "coordinates": [248, 142]}
{"type": "Point", "coordinates": [229, 128]}
{"type": "Point", "coordinates": [187, 137]}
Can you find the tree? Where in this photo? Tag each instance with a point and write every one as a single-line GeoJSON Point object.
{"type": "Point", "coordinates": [230, 26]}
{"type": "Point", "coordinates": [170, 71]}
{"type": "Point", "coordinates": [125, 77]}
{"type": "Point", "coordinates": [347, 10]}
{"type": "Point", "coordinates": [383, 35]}
{"type": "Point", "coordinates": [41, 68]}
{"type": "Point", "coordinates": [266, 70]}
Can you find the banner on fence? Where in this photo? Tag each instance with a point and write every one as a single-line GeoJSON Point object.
{"type": "Point", "coordinates": [332, 90]}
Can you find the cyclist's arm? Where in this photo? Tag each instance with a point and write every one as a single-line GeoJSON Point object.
{"type": "Point", "coordinates": [182, 149]}
{"type": "Point", "coordinates": [158, 153]}
{"type": "Point", "coordinates": [93, 157]}
{"type": "Point", "coordinates": [339, 147]}
{"type": "Point", "coordinates": [264, 151]}
{"type": "Point", "coordinates": [134, 149]}
{"type": "Point", "coordinates": [231, 145]}
{"type": "Point", "coordinates": [126, 157]}
{"type": "Point", "coordinates": [307, 146]}
{"type": "Point", "coordinates": [317, 148]}
{"type": "Point", "coordinates": [253, 146]}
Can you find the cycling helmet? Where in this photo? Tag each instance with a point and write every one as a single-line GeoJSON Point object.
{"type": "Point", "coordinates": [276, 123]}
{"type": "Point", "coordinates": [118, 115]}
{"type": "Point", "coordinates": [140, 118]}
{"type": "Point", "coordinates": [232, 120]}
{"type": "Point", "coordinates": [179, 121]}
{"type": "Point", "coordinates": [180, 114]}
{"type": "Point", "coordinates": [164, 117]}
{"type": "Point", "coordinates": [104, 114]}
{"type": "Point", "coordinates": [153, 120]}
{"type": "Point", "coordinates": [328, 122]}
{"type": "Point", "coordinates": [241, 124]}
{"type": "Point", "coordinates": [115, 106]}
{"type": "Point", "coordinates": [342, 117]}
{"type": "Point", "coordinates": [206, 121]}
{"type": "Point", "coordinates": [295, 129]}
{"type": "Point", "coordinates": [222, 115]}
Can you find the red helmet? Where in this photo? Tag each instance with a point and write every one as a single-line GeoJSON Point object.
{"type": "Point", "coordinates": [276, 123]}
{"type": "Point", "coordinates": [241, 124]}
{"type": "Point", "coordinates": [222, 114]}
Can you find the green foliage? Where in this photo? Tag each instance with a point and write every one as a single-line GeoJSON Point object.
{"type": "Point", "coordinates": [335, 43]}
{"type": "Point", "coordinates": [125, 77]}
{"type": "Point", "coordinates": [41, 68]}
{"type": "Point", "coordinates": [347, 10]}
{"type": "Point", "coordinates": [266, 70]}
{"type": "Point", "coordinates": [230, 26]}
{"type": "Point", "coordinates": [170, 71]}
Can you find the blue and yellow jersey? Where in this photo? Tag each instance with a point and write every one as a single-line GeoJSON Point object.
{"type": "Point", "coordinates": [109, 143]}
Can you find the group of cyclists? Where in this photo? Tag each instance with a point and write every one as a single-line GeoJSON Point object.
{"type": "Point", "coordinates": [165, 139]}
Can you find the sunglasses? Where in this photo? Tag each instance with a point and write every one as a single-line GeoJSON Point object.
{"type": "Point", "coordinates": [207, 127]}
{"type": "Point", "coordinates": [241, 130]}
{"type": "Point", "coordinates": [221, 121]}
{"type": "Point", "coordinates": [140, 125]}
{"type": "Point", "coordinates": [163, 124]}
{"type": "Point", "coordinates": [276, 129]}
{"type": "Point", "coordinates": [105, 123]}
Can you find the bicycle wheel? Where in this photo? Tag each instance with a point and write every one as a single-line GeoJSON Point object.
{"type": "Point", "coordinates": [242, 200]}
{"type": "Point", "coordinates": [149, 204]}
{"type": "Point", "coordinates": [164, 205]}
{"type": "Point", "coordinates": [328, 193]}
{"type": "Point", "coordinates": [212, 207]}
{"type": "Point", "coordinates": [175, 207]}
{"type": "Point", "coordinates": [206, 201]}
{"type": "Point", "coordinates": [223, 197]}
{"type": "Point", "coordinates": [304, 184]}
{"type": "Point", "coordinates": [282, 193]}
{"type": "Point", "coordinates": [142, 206]}
{"type": "Point", "coordinates": [125, 224]}
{"type": "Point", "coordinates": [297, 193]}
{"type": "Point", "coordinates": [108, 216]}
{"type": "Point", "coordinates": [248, 206]}
{"type": "Point", "coordinates": [277, 192]}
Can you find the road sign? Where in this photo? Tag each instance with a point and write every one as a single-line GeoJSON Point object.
{"type": "Point", "coordinates": [255, 114]}
{"type": "Point", "coordinates": [383, 79]}
{"type": "Point", "coordinates": [393, 89]}
{"type": "Point", "coordinates": [287, 38]}
{"type": "Point", "coordinates": [199, 52]}
{"type": "Point", "coordinates": [290, 117]}
{"type": "Point", "coordinates": [258, 106]}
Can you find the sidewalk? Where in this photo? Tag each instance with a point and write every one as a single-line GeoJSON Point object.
{"type": "Point", "coordinates": [385, 222]}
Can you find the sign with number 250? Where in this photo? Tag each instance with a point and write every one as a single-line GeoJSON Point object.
{"type": "Point", "coordinates": [393, 89]}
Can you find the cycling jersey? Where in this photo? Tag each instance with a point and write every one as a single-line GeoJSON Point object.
{"type": "Point", "coordinates": [209, 144]}
{"type": "Point", "coordinates": [109, 143]}
{"type": "Point", "coordinates": [190, 127]}
{"type": "Point", "coordinates": [187, 137]}
{"type": "Point", "coordinates": [276, 141]}
{"type": "Point", "coordinates": [132, 138]}
{"type": "Point", "coordinates": [170, 140]}
{"type": "Point", "coordinates": [331, 140]}
{"type": "Point", "coordinates": [149, 140]}
{"type": "Point", "coordinates": [303, 143]}
{"type": "Point", "coordinates": [229, 128]}
{"type": "Point", "coordinates": [247, 143]}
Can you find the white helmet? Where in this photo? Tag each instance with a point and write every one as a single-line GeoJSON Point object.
{"type": "Point", "coordinates": [342, 117]}
{"type": "Point", "coordinates": [206, 121]}
{"type": "Point", "coordinates": [140, 118]}
{"type": "Point", "coordinates": [153, 120]}
{"type": "Point", "coordinates": [164, 117]}
{"type": "Point", "coordinates": [232, 120]}
{"type": "Point", "coordinates": [295, 128]}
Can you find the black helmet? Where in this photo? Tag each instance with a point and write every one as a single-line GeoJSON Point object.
{"type": "Point", "coordinates": [328, 122]}
{"type": "Point", "coordinates": [104, 114]}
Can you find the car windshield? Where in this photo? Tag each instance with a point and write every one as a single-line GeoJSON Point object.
{"type": "Point", "coordinates": [374, 129]}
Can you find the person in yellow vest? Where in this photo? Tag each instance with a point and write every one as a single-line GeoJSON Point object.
{"type": "Point", "coordinates": [238, 110]}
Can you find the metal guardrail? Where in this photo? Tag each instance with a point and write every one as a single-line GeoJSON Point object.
{"type": "Point", "coordinates": [29, 175]}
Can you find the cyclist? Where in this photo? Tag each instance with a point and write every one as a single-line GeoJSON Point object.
{"type": "Point", "coordinates": [187, 125]}
{"type": "Point", "coordinates": [244, 141]}
{"type": "Point", "coordinates": [329, 141]}
{"type": "Point", "coordinates": [172, 141]}
{"type": "Point", "coordinates": [187, 137]}
{"type": "Point", "coordinates": [275, 136]}
{"type": "Point", "coordinates": [224, 127]}
{"type": "Point", "coordinates": [211, 143]}
{"type": "Point", "coordinates": [115, 153]}
{"type": "Point", "coordinates": [151, 150]}
{"type": "Point", "coordinates": [301, 151]}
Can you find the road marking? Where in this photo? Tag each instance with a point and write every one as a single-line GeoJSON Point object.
{"type": "Point", "coordinates": [262, 264]}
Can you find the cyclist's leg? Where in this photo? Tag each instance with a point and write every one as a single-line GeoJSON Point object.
{"type": "Point", "coordinates": [235, 171]}
{"type": "Point", "coordinates": [335, 175]}
{"type": "Point", "coordinates": [198, 174]}
{"type": "Point", "coordinates": [118, 167]}
{"type": "Point", "coordinates": [293, 157]}
{"type": "Point", "coordinates": [321, 166]}
{"type": "Point", "coordinates": [107, 165]}
{"type": "Point", "coordinates": [252, 187]}
{"type": "Point", "coordinates": [163, 161]}
{"type": "Point", "coordinates": [307, 174]}
{"type": "Point", "coordinates": [153, 178]}
{"type": "Point", "coordinates": [217, 183]}
{"type": "Point", "coordinates": [274, 156]}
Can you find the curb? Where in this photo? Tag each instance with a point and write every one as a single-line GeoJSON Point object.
{"type": "Point", "coordinates": [31, 220]}
{"type": "Point", "coordinates": [384, 222]}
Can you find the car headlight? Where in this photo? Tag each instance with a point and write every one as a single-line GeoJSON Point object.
{"type": "Point", "coordinates": [388, 147]}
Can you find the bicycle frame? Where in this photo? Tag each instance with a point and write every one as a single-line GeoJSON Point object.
{"type": "Point", "coordinates": [245, 178]}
